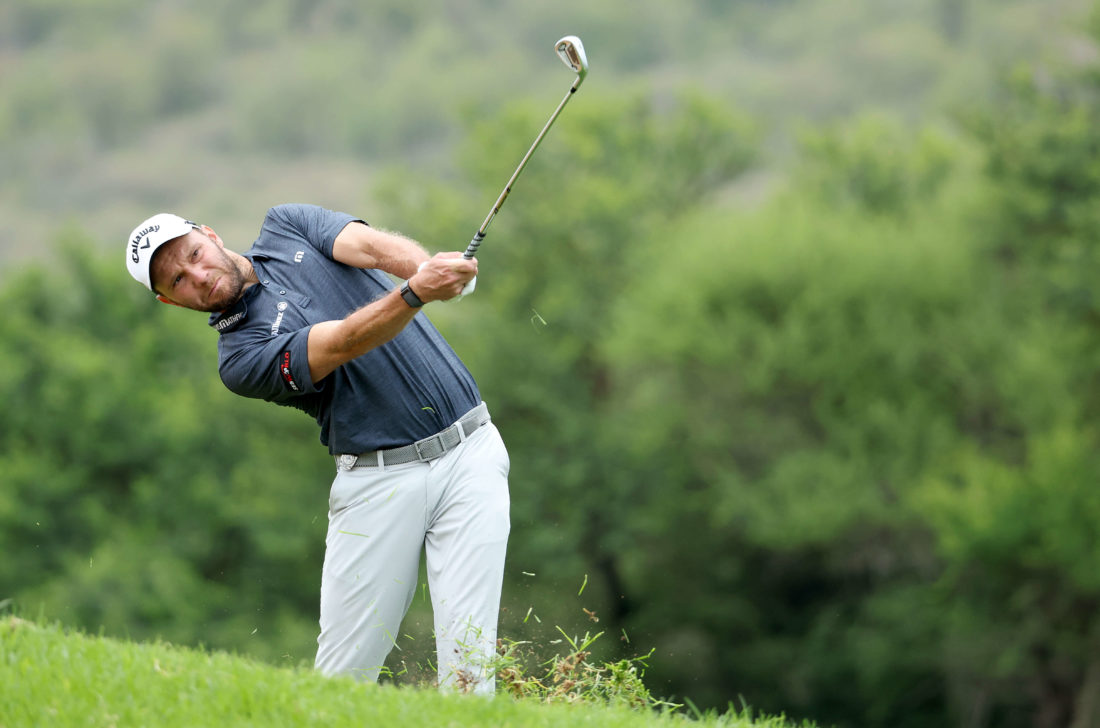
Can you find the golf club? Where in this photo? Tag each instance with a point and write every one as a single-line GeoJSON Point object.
{"type": "Point", "coordinates": [571, 51]}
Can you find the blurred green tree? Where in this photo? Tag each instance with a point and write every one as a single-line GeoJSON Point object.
{"type": "Point", "coordinates": [869, 397]}
{"type": "Point", "coordinates": [138, 494]}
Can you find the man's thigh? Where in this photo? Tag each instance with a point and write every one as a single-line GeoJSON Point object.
{"type": "Point", "coordinates": [372, 555]}
{"type": "Point", "coordinates": [466, 543]}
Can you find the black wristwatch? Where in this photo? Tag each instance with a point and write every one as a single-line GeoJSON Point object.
{"type": "Point", "coordinates": [410, 296]}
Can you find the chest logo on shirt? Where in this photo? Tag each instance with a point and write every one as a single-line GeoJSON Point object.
{"type": "Point", "coordinates": [299, 255]}
{"type": "Point", "coordinates": [278, 319]}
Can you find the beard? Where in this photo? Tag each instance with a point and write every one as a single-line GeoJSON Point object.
{"type": "Point", "coordinates": [230, 287]}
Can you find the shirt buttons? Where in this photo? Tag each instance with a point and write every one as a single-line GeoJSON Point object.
{"type": "Point", "coordinates": [282, 293]}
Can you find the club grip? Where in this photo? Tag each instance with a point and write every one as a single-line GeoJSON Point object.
{"type": "Point", "coordinates": [471, 249]}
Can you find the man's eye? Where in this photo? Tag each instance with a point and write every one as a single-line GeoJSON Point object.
{"type": "Point", "coordinates": [176, 282]}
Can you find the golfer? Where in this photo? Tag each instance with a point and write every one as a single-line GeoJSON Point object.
{"type": "Point", "coordinates": [308, 318]}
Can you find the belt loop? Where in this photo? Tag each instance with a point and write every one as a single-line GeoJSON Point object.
{"type": "Point", "coordinates": [461, 432]}
{"type": "Point", "coordinates": [381, 461]}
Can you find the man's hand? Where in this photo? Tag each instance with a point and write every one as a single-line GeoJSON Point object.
{"type": "Point", "coordinates": [443, 277]}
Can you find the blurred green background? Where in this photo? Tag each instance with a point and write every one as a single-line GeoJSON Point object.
{"type": "Point", "coordinates": [790, 327]}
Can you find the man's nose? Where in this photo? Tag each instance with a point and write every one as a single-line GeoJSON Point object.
{"type": "Point", "coordinates": [199, 275]}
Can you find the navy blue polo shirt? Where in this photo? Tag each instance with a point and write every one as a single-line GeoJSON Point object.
{"type": "Point", "coordinates": [402, 391]}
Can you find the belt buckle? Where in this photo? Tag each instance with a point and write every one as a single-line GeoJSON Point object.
{"type": "Point", "coordinates": [346, 461]}
{"type": "Point", "coordinates": [434, 439]}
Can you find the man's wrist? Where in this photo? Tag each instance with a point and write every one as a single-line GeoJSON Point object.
{"type": "Point", "coordinates": [409, 295]}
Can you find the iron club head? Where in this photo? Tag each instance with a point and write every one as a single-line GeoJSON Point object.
{"type": "Point", "coordinates": [571, 51]}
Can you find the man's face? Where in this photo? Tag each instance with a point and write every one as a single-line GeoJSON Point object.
{"type": "Point", "coordinates": [195, 272]}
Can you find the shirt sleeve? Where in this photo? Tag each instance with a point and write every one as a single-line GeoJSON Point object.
{"type": "Point", "coordinates": [315, 224]}
{"type": "Point", "coordinates": [275, 368]}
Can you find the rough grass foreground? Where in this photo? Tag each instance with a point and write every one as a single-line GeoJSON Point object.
{"type": "Point", "coordinates": [51, 676]}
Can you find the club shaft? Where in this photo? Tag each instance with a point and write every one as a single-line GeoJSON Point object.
{"type": "Point", "coordinates": [471, 249]}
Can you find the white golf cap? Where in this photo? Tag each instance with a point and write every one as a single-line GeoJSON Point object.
{"type": "Point", "coordinates": [147, 237]}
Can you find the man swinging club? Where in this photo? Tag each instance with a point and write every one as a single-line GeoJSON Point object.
{"type": "Point", "coordinates": [307, 318]}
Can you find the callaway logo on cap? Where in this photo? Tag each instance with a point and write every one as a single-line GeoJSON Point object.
{"type": "Point", "coordinates": [147, 237]}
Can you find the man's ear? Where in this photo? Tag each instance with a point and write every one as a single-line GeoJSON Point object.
{"type": "Point", "coordinates": [209, 232]}
{"type": "Point", "coordinates": [169, 301]}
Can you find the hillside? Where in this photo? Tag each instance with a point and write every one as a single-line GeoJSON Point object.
{"type": "Point", "coordinates": [52, 677]}
{"type": "Point", "coordinates": [113, 109]}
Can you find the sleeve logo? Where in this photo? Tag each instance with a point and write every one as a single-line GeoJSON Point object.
{"type": "Point", "coordinates": [288, 377]}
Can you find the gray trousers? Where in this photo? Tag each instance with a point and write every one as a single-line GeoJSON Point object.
{"type": "Point", "coordinates": [455, 509]}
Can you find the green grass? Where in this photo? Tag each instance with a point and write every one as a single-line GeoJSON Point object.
{"type": "Point", "coordinates": [55, 677]}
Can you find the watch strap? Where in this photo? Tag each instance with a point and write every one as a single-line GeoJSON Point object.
{"type": "Point", "coordinates": [410, 296]}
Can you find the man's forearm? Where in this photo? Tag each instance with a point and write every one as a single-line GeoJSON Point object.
{"type": "Point", "coordinates": [366, 247]}
{"type": "Point", "coordinates": [400, 255]}
{"type": "Point", "coordinates": [333, 343]}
